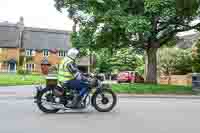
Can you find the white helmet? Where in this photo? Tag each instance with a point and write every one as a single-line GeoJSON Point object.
{"type": "Point", "coordinates": [73, 53]}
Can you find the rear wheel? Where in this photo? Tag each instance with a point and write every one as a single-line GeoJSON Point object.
{"type": "Point", "coordinates": [43, 100]}
{"type": "Point", "coordinates": [104, 100]}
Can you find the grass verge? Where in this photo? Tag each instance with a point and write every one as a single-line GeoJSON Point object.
{"type": "Point", "coordinates": [15, 79]}
{"type": "Point", "coordinates": [151, 89]}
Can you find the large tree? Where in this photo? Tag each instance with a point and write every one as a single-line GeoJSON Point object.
{"type": "Point", "coordinates": [72, 13]}
{"type": "Point", "coordinates": [147, 24]}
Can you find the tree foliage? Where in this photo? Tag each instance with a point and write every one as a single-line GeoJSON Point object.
{"type": "Point", "coordinates": [120, 60]}
{"type": "Point", "coordinates": [187, 7]}
{"type": "Point", "coordinates": [147, 24]}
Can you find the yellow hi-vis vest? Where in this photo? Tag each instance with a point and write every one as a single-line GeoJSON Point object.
{"type": "Point", "coordinates": [63, 71]}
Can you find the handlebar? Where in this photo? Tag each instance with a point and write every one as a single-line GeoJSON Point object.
{"type": "Point", "coordinates": [91, 75]}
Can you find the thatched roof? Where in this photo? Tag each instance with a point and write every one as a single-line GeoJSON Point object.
{"type": "Point", "coordinates": [33, 38]}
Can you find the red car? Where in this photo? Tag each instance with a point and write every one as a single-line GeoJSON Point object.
{"type": "Point", "coordinates": [130, 77]}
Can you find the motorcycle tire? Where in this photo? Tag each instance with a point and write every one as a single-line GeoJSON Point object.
{"type": "Point", "coordinates": [96, 106]}
{"type": "Point", "coordinates": [40, 105]}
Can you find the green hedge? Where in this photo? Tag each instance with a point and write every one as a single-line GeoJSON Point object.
{"type": "Point", "coordinates": [151, 89]}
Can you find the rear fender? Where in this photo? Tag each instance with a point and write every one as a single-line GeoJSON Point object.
{"type": "Point", "coordinates": [39, 90]}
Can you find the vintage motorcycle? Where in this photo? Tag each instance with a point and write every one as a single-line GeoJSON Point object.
{"type": "Point", "coordinates": [56, 97]}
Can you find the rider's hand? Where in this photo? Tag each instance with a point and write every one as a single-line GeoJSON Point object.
{"type": "Point", "coordinates": [91, 74]}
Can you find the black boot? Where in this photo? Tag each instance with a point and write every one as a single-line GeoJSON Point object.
{"type": "Point", "coordinates": [75, 102]}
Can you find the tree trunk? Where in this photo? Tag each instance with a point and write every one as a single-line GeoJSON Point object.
{"type": "Point", "coordinates": [151, 76]}
{"type": "Point", "coordinates": [146, 62]}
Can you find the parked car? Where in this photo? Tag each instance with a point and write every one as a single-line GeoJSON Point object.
{"type": "Point", "coordinates": [130, 77]}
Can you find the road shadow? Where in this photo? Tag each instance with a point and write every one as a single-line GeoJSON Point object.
{"type": "Point", "coordinates": [90, 112]}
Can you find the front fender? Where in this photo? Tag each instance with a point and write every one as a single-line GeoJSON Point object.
{"type": "Point", "coordinates": [94, 94]}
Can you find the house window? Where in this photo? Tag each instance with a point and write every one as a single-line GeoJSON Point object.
{"type": "Point", "coordinates": [30, 67]}
{"type": "Point", "coordinates": [62, 53]}
{"type": "Point", "coordinates": [29, 52]}
{"type": "Point", "coordinates": [45, 53]}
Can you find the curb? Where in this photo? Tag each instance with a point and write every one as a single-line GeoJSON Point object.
{"type": "Point", "coordinates": [160, 96]}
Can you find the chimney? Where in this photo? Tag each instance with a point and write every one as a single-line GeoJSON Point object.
{"type": "Point", "coordinates": [21, 20]}
{"type": "Point", "coordinates": [20, 26]}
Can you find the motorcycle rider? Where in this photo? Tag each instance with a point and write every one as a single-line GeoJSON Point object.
{"type": "Point", "coordinates": [69, 74]}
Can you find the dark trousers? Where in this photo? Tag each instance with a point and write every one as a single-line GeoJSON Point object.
{"type": "Point", "coordinates": [80, 85]}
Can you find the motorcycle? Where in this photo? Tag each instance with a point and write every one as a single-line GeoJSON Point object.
{"type": "Point", "coordinates": [56, 97]}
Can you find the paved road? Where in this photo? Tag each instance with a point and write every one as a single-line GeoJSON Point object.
{"type": "Point", "coordinates": [18, 91]}
{"type": "Point", "coordinates": [131, 115]}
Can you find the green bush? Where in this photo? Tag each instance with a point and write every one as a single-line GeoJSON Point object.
{"type": "Point", "coordinates": [175, 61]}
{"type": "Point", "coordinates": [140, 70]}
{"type": "Point", "coordinates": [196, 59]}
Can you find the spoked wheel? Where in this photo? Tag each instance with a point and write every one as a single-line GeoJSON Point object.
{"type": "Point", "coordinates": [104, 100]}
{"type": "Point", "coordinates": [44, 101]}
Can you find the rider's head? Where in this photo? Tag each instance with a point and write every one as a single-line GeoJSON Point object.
{"type": "Point", "coordinates": [73, 53]}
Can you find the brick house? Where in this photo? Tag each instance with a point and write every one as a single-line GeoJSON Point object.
{"type": "Point", "coordinates": [33, 45]}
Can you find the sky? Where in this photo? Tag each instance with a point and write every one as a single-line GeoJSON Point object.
{"type": "Point", "coordinates": [36, 13]}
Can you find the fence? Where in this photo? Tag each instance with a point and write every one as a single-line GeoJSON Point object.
{"type": "Point", "coordinates": [176, 80]}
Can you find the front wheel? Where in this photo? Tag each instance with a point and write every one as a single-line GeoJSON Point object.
{"type": "Point", "coordinates": [104, 100]}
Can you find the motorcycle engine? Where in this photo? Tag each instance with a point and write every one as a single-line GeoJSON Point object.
{"type": "Point", "coordinates": [58, 91]}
